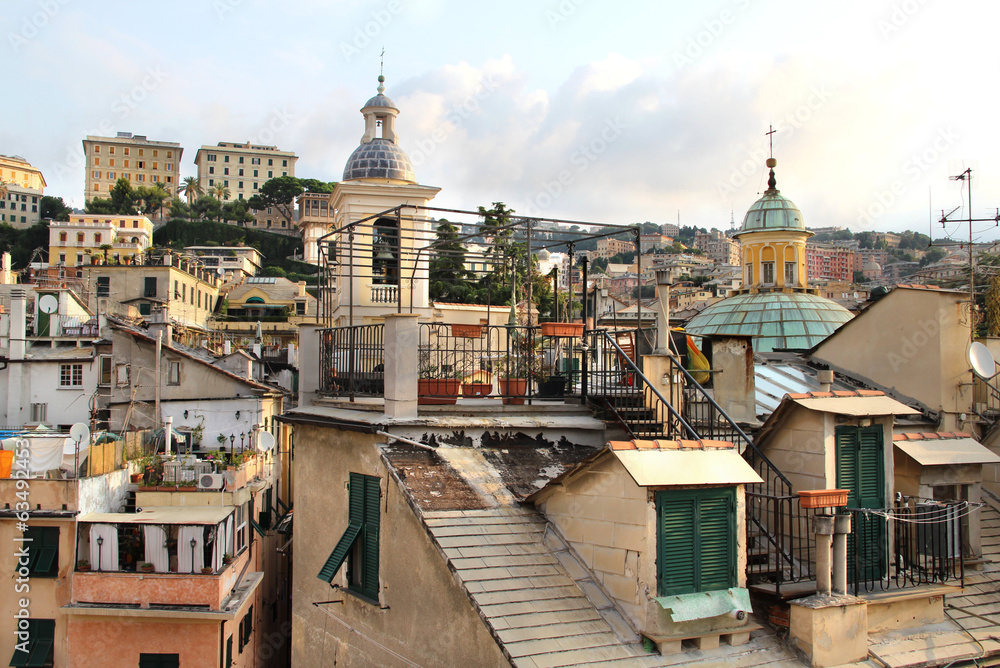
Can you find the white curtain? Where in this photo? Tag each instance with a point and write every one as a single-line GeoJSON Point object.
{"type": "Point", "coordinates": [104, 554]}
{"type": "Point", "coordinates": [156, 548]}
{"type": "Point", "coordinates": [219, 545]}
{"type": "Point", "coordinates": [228, 544]}
{"type": "Point", "coordinates": [184, 550]}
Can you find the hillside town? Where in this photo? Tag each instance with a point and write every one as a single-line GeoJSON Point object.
{"type": "Point", "coordinates": [254, 419]}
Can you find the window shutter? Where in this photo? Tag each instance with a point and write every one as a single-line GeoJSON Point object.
{"type": "Point", "coordinates": [339, 554]}
{"type": "Point", "coordinates": [697, 541]}
{"type": "Point", "coordinates": [49, 551]}
{"type": "Point", "coordinates": [677, 554]}
{"type": "Point", "coordinates": [371, 527]}
{"type": "Point", "coordinates": [715, 533]}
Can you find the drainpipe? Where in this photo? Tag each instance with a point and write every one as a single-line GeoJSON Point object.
{"type": "Point", "coordinates": [169, 424]}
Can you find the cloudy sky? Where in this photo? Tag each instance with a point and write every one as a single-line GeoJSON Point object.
{"type": "Point", "coordinates": [593, 110]}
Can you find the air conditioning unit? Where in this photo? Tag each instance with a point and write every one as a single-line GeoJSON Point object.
{"type": "Point", "coordinates": [211, 481]}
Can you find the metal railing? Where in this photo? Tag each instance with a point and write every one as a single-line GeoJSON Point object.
{"type": "Point", "coordinates": [986, 399]}
{"type": "Point", "coordinates": [922, 544]}
{"type": "Point", "coordinates": [352, 361]}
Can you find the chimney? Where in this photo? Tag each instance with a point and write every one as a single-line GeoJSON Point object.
{"type": "Point", "coordinates": [227, 347]}
{"type": "Point", "coordinates": [302, 288]}
{"type": "Point", "coordinates": [734, 382]}
{"type": "Point", "coordinates": [662, 310]}
{"type": "Point", "coordinates": [18, 310]}
{"type": "Point", "coordinates": [825, 378]}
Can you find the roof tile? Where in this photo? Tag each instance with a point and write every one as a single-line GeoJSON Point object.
{"type": "Point", "coordinates": [899, 437]}
{"type": "Point", "coordinates": [929, 434]}
{"type": "Point", "coordinates": [621, 445]}
{"type": "Point", "coordinates": [645, 445]}
{"type": "Point", "coordinates": [845, 393]}
{"type": "Point", "coordinates": [871, 393]}
{"type": "Point", "coordinates": [821, 394]}
{"type": "Point", "coordinates": [690, 445]}
{"type": "Point", "coordinates": [962, 434]}
{"type": "Point", "coordinates": [668, 445]}
{"type": "Point", "coordinates": [799, 395]}
{"type": "Point", "coordinates": [709, 443]}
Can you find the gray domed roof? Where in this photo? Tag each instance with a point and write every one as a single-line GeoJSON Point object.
{"type": "Point", "coordinates": [381, 100]}
{"type": "Point", "coordinates": [797, 320]}
{"type": "Point", "coordinates": [773, 211]}
{"type": "Point", "coordinates": [379, 159]}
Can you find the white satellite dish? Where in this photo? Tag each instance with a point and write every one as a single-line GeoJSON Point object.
{"type": "Point", "coordinates": [981, 360]}
{"type": "Point", "coordinates": [265, 441]}
{"type": "Point", "coordinates": [48, 304]}
{"type": "Point", "coordinates": [79, 432]}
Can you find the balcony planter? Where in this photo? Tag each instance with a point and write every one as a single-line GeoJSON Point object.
{"type": "Point", "coordinates": [565, 329]}
{"type": "Point", "coordinates": [823, 498]}
{"type": "Point", "coordinates": [136, 477]}
{"type": "Point", "coordinates": [476, 390]}
{"type": "Point", "coordinates": [513, 390]}
{"type": "Point", "coordinates": [437, 391]}
{"type": "Point", "coordinates": [207, 570]}
{"type": "Point", "coordinates": [467, 331]}
{"type": "Point", "coordinates": [146, 567]}
{"type": "Point", "coordinates": [555, 386]}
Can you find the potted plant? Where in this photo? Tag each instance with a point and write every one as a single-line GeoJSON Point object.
{"type": "Point", "coordinates": [570, 329]}
{"type": "Point", "coordinates": [227, 558]}
{"type": "Point", "coordinates": [207, 570]}
{"type": "Point", "coordinates": [146, 567]}
{"type": "Point", "coordinates": [436, 388]}
{"type": "Point", "coordinates": [554, 383]}
{"type": "Point", "coordinates": [466, 331]}
{"type": "Point", "coordinates": [83, 565]}
{"type": "Point", "coordinates": [519, 368]}
{"type": "Point", "coordinates": [477, 384]}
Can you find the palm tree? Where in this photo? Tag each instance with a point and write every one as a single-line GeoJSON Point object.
{"type": "Point", "coordinates": [220, 191]}
{"type": "Point", "coordinates": [191, 188]}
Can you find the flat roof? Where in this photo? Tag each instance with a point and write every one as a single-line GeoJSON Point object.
{"type": "Point", "coordinates": [165, 515]}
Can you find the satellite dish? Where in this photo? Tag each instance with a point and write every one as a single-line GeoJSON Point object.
{"type": "Point", "coordinates": [981, 360]}
{"type": "Point", "coordinates": [265, 441]}
{"type": "Point", "coordinates": [79, 432]}
{"type": "Point", "coordinates": [48, 304]}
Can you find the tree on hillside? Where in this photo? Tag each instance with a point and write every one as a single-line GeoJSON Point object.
{"type": "Point", "coordinates": [316, 186]}
{"type": "Point", "coordinates": [220, 192]}
{"type": "Point", "coordinates": [178, 209]}
{"type": "Point", "coordinates": [151, 198]}
{"type": "Point", "coordinates": [236, 211]}
{"type": "Point", "coordinates": [191, 189]}
{"type": "Point", "coordinates": [280, 193]}
{"type": "Point", "coordinates": [124, 197]}
{"type": "Point", "coordinates": [99, 205]}
{"type": "Point", "coordinates": [207, 208]}
{"type": "Point", "coordinates": [933, 255]}
{"type": "Point", "coordinates": [54, 208]}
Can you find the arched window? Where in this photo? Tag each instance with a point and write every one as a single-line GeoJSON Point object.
{"type": "Point", "coordinates": [767, 266]}
{"type": "Point", "coordinates": [255, 300]}
{"type": "Point", "coordinates": [385, 252]}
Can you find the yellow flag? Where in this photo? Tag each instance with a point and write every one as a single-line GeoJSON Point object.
{"type": "Point", "coordinates": [697, 363]}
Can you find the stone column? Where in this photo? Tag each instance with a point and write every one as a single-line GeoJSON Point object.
{"type": "Point", "coordinates": [309, 369]}
{"type": "Point", "coordinates": [402, 339]}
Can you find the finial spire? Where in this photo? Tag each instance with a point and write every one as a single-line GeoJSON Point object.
{"type": "Point", "coordinates": [772, 183]}
{"type": "Point", "coordinates": [381, 69]}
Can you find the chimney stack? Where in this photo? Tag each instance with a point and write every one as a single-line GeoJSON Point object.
{"type": "Point", "coordinates": [825, 378]}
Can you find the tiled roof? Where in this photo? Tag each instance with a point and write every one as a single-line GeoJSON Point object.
{"type": "Point", "coordinates": [836, 393]}
{"type": "Point", "coordinates": [931, 435]}
{"type": "Point", "coordinates": [703, 444]}
{"type": "Point", "coordinates": [917, 286]}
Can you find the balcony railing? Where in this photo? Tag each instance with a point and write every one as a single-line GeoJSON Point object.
{"type": "Point", "coordinates": [385, 294]}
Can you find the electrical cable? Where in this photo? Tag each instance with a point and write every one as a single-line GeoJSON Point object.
{"type": "Point", "coordinates": [368, 638]}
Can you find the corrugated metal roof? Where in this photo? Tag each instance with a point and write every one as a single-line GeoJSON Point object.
{"type": "Point", "coordinates": [773, 381]}
{"type": "Point", "coordinates": [686, 467]}
{"type": "Point", "coordinates": [948, 451]}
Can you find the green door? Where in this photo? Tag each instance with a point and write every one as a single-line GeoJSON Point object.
{"type": "Point", "coordinates": [861, 469]}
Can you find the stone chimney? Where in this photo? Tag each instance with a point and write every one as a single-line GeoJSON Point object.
{"type": "Point", "coordinates": [662, 310]}
{"type": "Point", "coordinates": [735, 389]}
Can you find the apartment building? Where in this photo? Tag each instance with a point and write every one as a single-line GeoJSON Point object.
{"type": "Point", "coordinates": [718, 247]}
{"type": "Point", "coordinates": [142, 161]}
{"type": "Point", "coordinates": [21, 189]}
{"type": "Point", "coordinates": [611, 246]}
{"type": "Point", "coordinates": [84, 238]}
{"type": "Point", "coordinates": [830, 262]}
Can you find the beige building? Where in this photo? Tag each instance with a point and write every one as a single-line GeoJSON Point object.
{"type": "Point", "coordinates": [316, 218]}
{"type": "Point", "coordinates": [142, 161]}
{"type": "Point", "coordinates": [21, 189]}
{"type": "Point", "coordinates": [79, 240]}
{"type": "Point", "coordinates": [721, 249]}
{"type": "Point", "coordinates": [243, 169]}
{"type": "Point", "coordinates": [231, 262]}
{"type": "Point", "coordinates": [611, 246]}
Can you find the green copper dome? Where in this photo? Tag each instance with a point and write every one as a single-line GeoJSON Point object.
{"type": "Point", "coordinates": [796, 321]}
{"type": "Point", "coordinates": [773, 211]}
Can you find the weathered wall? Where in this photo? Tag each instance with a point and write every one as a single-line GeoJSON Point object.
{"type": "Point", "coordinates": [799, 449]}
{"type": "Point", "coordinates": [100, 642]}
{"type": "Point", "coordinates": [423, 613]}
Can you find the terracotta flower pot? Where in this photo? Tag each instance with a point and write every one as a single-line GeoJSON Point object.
{"type": "Point", "coordinates": [572, 329]}
{"type": "Point", "coordinates": [513, 390]}
{"type": "Point", "coordinates": [437, 391]}
{"type": "Point", "coordinates": [473, 390]}
{"type": "Point", "coordinates": [467, 331]}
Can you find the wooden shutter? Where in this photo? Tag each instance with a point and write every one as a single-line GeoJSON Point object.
{"type": "Point", "coordinates": [861, 469]}
{"type": "Point", "coordinates": [697, 541]}
{"type": "Point", "coordinates": [43, 550]}
{"type": "Point", "coordinates": [339, 554]}
{"type": "Point", "coordinates": [369, 583]}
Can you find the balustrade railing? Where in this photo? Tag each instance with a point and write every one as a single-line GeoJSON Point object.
{"type": "Point", "coordinates": [352, 360]}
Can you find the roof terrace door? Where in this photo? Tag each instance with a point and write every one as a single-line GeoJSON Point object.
{"type": "Point", "coordinates": [861, 469]}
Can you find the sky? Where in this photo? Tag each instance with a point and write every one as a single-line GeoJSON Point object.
{"type": "Point", "coordinates": [611, 112]}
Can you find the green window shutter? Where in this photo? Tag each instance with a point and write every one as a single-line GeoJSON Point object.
{"type": "Point", "coordinates": [258, 528]}
{"type": "Point", "coordinates": [41, 638]}
{"type": "Point", "coordinates": [696, 548]}
{"type": "Point", "coordinates": [339, 554]}
{"type": "Point", "coordinates": [371, 555]}
{"type": "Point", "coordinates": [229, 652]}
{"type": "Point", "coordinates": [847, 463]}
{"type": "Point", "coordinates": [43, 550]}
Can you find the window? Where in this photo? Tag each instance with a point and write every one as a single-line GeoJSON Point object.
{"type": "Point", "coordinates": [97, 237]}
{"type": "Point", "coordinates": [97, 175]}
{"type": "Point", "coordinates": [241, 171]}
{"type": "Point", "coordinates": [159, 661]}
{"type": "Point", "coordinates": [111, 162]}
{"type": "Point", "coordinates": [300, 308]}
{"type": "Point", "coordinates": [211, 169]}
{"type": "Point", "coordinates": [149, 287]}
{"type": "Point", "coordinates": [38, 650]}
{"type": "Point", "coordinates": [62, 237]}
{"type": "Point", "coordinates": [229, 653]}
{"type": "Point", "coordinates": [126, 150]}
{"type": "Point", "coordinates": [155, 154]}
{"type": "Point", "coordinates": [42, 544]}
{"type": "Point", "coordinates": [111, 150]}
{"type": "Point", "coordinates": [284, 163]}
{"type": "Point", "coordinates": [696, 540]}
{"type": "Point", "coordinates": [38, 412]}
{"type": "Point", "coordinates": [174, 373]}
{"type": "Point", "coordinates": [97, 149]}
{"type": "Point", "coordinates": [270, 162]}
{"type": "Point", "coordinates": [255, 173]}
{"type": "Point", "coordinates": [241, 159]}
{"type": "Point", "coordinates": [241, 528]}
{"type": "Point", "coordinates": [359, 544]}
{"type": "Point", "coordinates": [124, 163]}
{"type": "Point", "coordinates": [254, 161]}
{"type": "Point", "coordinates": [70, 375]}
{"type": "Point", "coordinates": [170, 154]}
{"type": "Point", "coordinates": [145, 308]}
{"type": "Point", "coordinates": [225, 158]}
{"type": "Point", "coordinates": [270, 174]}
{"type": "Point", "coordinates": [246, 628]}
{"type": "Point", "coordinates": [211, 157]}
{"type": "Point", "coordinates": [767, 273]}
{"type": "Point", "coordinates": [111, 176]}
{"type": "Point", "coordinates": [211, 182]}
{"type": "Point", "coordinates": [789, 273]}
{"type": "Point", "coordinates": [140, 164]}
{"type": "Point", "coordinates": [155, 164]}
{"type": "Point", "coordinates": [225, 171]}
{"type": "Point", "coordinates": [105, 370]}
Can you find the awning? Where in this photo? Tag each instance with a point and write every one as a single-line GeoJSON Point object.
{"type": "Point", "coordinates": [650, 468]}
{"type": "Point", "coordinates": [935, 452]}
{"type": "Point", "coordinates": [165, 515]}
{"type": "Point", "coordinates": [857, 406]}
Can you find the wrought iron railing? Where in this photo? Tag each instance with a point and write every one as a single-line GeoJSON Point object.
{"type": "Point", "coordinates": [986, 399]}
{"type": "Point", "coordinates": [906, 546]}
{"type": "Point", "coordinates": [352, 361]}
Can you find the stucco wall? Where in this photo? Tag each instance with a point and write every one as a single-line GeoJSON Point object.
{"type": "Point", "coordinates": [423, 613]}
{"type": "Point", "coordinates": [101, 642]}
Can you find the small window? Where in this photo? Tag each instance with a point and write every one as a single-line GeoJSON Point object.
{"type": "Point", "coordinates": [241, 528]}
{"type": "Point", "coordinates": [105, 378]}
{"type": "Point", "coordinates": [174, 373]}
{"type": "Point", "coordinates": [696, 540]}
{"type": "Point", "coordinates": [789, 273]}
{"type": "Point", "coordinates": [42, 544]}
{"type": "Point", "coordinates": [39, 647]}
{"type": "Point", "coordinates": [121, 375]}
{"type": "Point", "coordinates": [767, 273]}
{"type": "Point", "coordinates": [70, 375]}
{"type": "Point", "coordinates": [159, 661]}
{"type": "Point", "coordinates": [145, 308]}
{"type": "Point", "coordinates": [149, 287]}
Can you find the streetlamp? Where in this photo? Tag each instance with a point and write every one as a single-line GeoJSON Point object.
{"type": "Point", "coordinates": [232, 439]}
{"type": "Point", "coordinates": [243, 436]}
{"type": "Point", "coordinates": [194, 542]}
{"type": "Point", "coordinates": [100, 544]}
